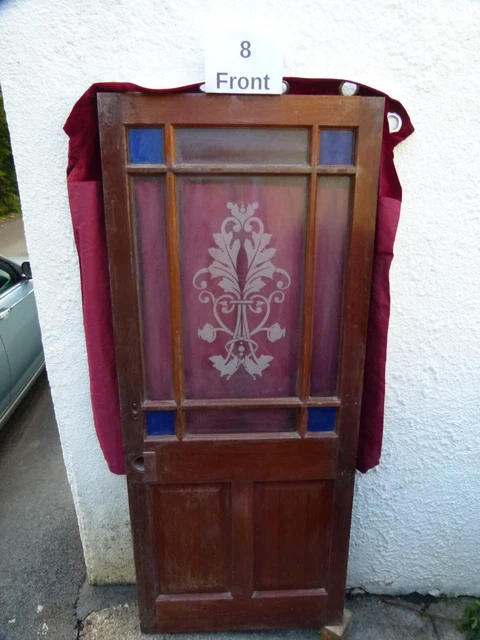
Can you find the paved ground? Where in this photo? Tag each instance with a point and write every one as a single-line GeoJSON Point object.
{"type": "Point", "coordinates": [41, 561]}
{"type": "Point", "coordinates": [43, 591]}
{"type": "Point", "coordinates": [373, 619]}
{"type": "Point", "coordinates": [12, 237]}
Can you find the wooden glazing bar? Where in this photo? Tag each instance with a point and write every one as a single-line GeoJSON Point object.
{"type": "Point", "coordinates": [234, 403]}
{"type": "Point", "coordinates": [146, 169]}
{"type": "Point", "coordinates": [251, 403]}
{"type": "Point", "coordinates": [159, 405]}
{"type": "Point", "coordinates": [327, 401]}
{"type": "Point", "coordinates": [175, 281]}
{"type": "Point", "coordinates": [227, 169]}
{"type": "Point", "coordinates": [239, 403]}
{"type": "Point", "coordinates": [309, 277]}
{"type": "Point", "coordinates": [336, 169]}
{"type": "Point", "coordinates": [270, 436]}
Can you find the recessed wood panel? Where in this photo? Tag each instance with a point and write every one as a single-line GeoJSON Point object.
{"type": "Point", "coordinates": [192, 538]}
{"type": "Point", "coordinates": [287, 458]}
{"type": "Point", "coordinates": [292, 534]}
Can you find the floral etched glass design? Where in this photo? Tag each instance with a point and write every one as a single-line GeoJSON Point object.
{"type": "Point", "coordinates": [242, 243]}
{"type": "Point", "coordinates": [245, 270]}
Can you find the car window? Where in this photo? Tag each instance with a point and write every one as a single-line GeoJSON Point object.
{"type": "Point", "coordinates": [8, 277]}
{"type": "Point", "coordinates": [5, 280]}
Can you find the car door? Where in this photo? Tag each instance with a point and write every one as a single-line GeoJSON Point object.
{"type": "Point", "coordinates": [240, 233]}
{"type": "Point", "coordinates": [19, 328]}
{"type": "Point", "coordinates": [5, 381]}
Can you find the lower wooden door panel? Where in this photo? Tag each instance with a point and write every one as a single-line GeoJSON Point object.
{"type": "Point", "coordinates": [217, 614]}
{"type": "Point", "coordinates": [241, 555]}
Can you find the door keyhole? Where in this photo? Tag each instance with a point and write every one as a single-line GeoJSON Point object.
{"type": "Point", "coordinates": [139, 464]}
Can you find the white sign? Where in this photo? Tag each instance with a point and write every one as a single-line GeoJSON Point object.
{"type": "Point", "coordinates": [242, 61]}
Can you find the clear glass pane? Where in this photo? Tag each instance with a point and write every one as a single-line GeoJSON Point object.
{"type": "Point", "coordinates": [160, 423]}
{"type": "Point", "coordinates": [336, 146]}
{"type": "Point", "coordinates": [154, 294]}
{"type": "Point", "coordinates": [216, 145]}
{"type": "Point", "coordinates": [241, 420]}
{"type": "Point", "coordinates": [322, 419]}
{"type": "Point", "coordinates": [242, 245]}
{"type": "Point", "coordinates": [145, 146]}
{"type": "Point", "coordinates": [333, 197]}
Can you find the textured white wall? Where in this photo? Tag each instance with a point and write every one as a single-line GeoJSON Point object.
{"type": "Point", "coordinates": [417, 518]}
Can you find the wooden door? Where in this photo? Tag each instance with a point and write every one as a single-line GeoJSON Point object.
{"type": "Point", "coordinates": [240, 234]}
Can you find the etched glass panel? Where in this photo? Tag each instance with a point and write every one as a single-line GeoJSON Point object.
{"type": "Point", "coordinates": [217, 145]}
{"type": "Point", "coordinates": [242, 245]}
{"type": "Point", "coordinates": [333, 197]}
{"type": "Point", "coordinates": [145, 146]}
{"type": "Point", "coordinates": [336, 146]}
{"type": "Point", "coordinates": [154, 294]}
{"type": "Point", "coordinates": [160, 423]}
{"type": "Point", "coordinates": [241, 420]}
{"type": "Point", "coordinates": [322, 419]}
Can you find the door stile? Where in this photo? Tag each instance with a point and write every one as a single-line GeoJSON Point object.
{"type": "Point", "coordinates": [309, 280]}
{"type": "Point", "coordinates": [354, 335]}
{"type": "Point", "coordinates": [128, 352]}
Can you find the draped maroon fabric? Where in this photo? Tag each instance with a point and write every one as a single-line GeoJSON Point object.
{"type": "Point", "coordinates": [84, 180]}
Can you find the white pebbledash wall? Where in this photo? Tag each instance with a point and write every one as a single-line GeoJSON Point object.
{"type": "Point", "coordinates": [416, 524]}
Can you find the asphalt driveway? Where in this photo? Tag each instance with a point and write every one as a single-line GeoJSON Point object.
{"type": "Point", "coordinates": [41, 559]}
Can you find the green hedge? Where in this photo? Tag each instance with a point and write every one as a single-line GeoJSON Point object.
{"type": "Point", "coordinates": [9, 198]}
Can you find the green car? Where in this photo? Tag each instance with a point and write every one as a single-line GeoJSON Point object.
{"type": "Point", "coordinates": [21, 351]}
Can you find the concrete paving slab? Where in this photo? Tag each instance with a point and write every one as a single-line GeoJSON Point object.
{"type": "Point", "coordinates": [450, 607]}
{"type": "Point", "coordinates": [121, 622]}
{"type": "Point", "coordinates": [445, 612]}
{"type": "Point", "coordinates": [95, 598]}
{"type": "Point", "coordinates": [373, 619]}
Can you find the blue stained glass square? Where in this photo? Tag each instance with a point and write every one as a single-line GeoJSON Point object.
{"type": "Point", "coordinates": [336, 146]}
{"type": "Point", "coordinates": [322, 419]}
{"type": "Point", "coordinates": [145, 146]}
{"type": "Point", "coordinates": [160, 423]}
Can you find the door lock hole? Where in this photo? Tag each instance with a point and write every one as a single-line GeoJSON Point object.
{"type": "Point", "coordinates": [139, 464]}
